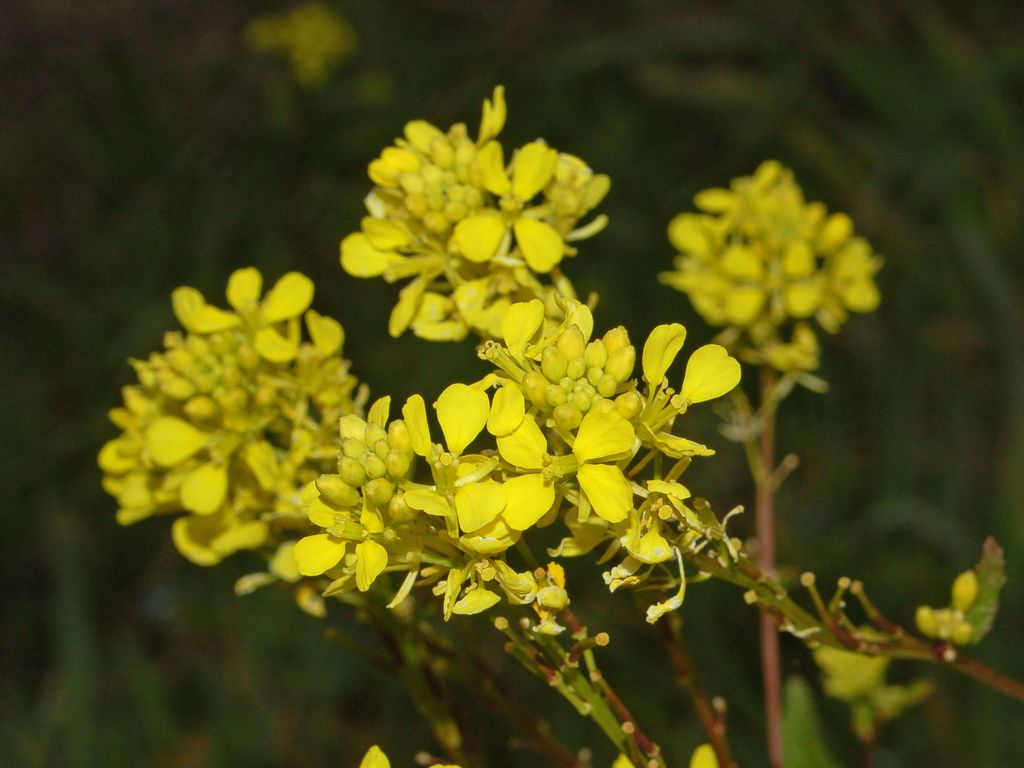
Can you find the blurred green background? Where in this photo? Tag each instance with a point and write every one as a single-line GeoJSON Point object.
{"type": "Point", "coordinates": [144, 145]}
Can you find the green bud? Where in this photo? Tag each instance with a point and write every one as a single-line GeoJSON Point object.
{"type": "Point", "coordinates": [379, 491]}
{"type": "Point", "coordinates": [398, 463]}
{"type": "Point", "coordinates": [629, 405]}
{"type": "Point", "coordinates": [963, 633]}
{"type": "Point", "coordinates": [567, 416]}
{"type": "Point", "coordinates": [398, 436]}
{"type": "Point", "coordinates": [620, 364]}
{"type": "Point", "coordinates": [353, 427]}
{"type": "Point", "coordinates": [596, 354]}
{"type": "Point", "coordinates": [351, 471]}
{"type": "Point", "coordinates": [336, 491]}
{"type": "Point", "coordinates": [553, 363]}
{"type": "Point", "coordinates": [534, 385]}
{"type": "Point", "coordinates": [926, 621]}
{"type": "Point", "coordinates": [554, 395]}
{"type": "Point", "coordinates": [965, 590]}
{"type": "Point", "coordinates": [374, 465]}
{"type": "Point", "coordinates": [594, 375]}
{"type": "Point", "coordinates": [615, 339]}
{"type": "Point", "coordinates": [576, 369]}
{"type": "Point", "coordinates": [571, 343]}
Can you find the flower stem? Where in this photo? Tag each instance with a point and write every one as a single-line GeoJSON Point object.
{"type": "Point", "coordinates": [764, 512]}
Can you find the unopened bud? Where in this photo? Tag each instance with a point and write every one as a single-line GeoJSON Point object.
{"type": "Point", "coordinates": [398, 510]}
{"type": "Point", "coordinates": [628, 404]}
{"type": "Point", "coordinates": [201, 407]}
{"type": "Point", "coordinates": [576, 369]}
{"type": "Point", "coordinates": [398, 436]}
{"type": "Point", "coordinates": [620, 364]}
{"type": "Point", "coordinates": [926, 622]}
{"type": "Point", "coordinates": [398, 463]}
{"type": "Point", "coordinates": [965, 590]}
{"type": "Point", "coordinates": [571, 343]}
{"type": "Point", "coordinates": [567, 416]}
{"type": "Point", "coordinates": [554, 395]}
{"type": "Point", "coordinates": [374, 465]}
{"type": "Point", "coordinates": [336, 491]}
{"type": "Point", "coordinates": [615, 339]}
{"type": "Point", "coordinates": [351, 471]}
{"type": "Point", "coordinates": [535, 384]}
{"type": "Point", "coordinates": [963, 633]}
{"type": "Point", "coordinates": [353, 427]}
{"type": "Point", "coordinates": [379, 491]}
{"type": "Point", "coordinates": [596, 355]}
{"type": "Point", "coordinates": [553, 363]}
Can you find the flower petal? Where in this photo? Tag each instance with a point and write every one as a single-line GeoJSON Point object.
{"type": "Point", "coordinates": [197, 316]}
{"type": "Point", "coordinates": [527, 500]}
{"type": "Point", "coordinates": [204, 488]}
{"type": "Point", "coordinates": [477, 601]}
{"type": "Point", "coordinates": [525, 446]}
{"type": "Point", "coordinates": [602, 434]}
{"type": "Point", "coordinates": [494, 113]}
{"type": "Point", "coordinates": [274, 347]}
{"type": "Point", "coordinates": [532, 169]}
{"type": "Point", "coordinates": [428, 501]}
{"type": "Point", "coordinates": [710, 373]}
{"type": "Point", "coordinates": [540, 243]}
{"type": "Point", "coordinates": [318, 553]}
{"type": "Point", "coordinates": [360, 259]}
{"type": "Point", "coordinates": [607, 489]}
{"type": "Point", "coordinates": [371, 558]}
{"type": "Point", "coordinates": [326, 333]}
{"type": "Point", "coordinates": [462, 412]}
{"type": "Point", "coordinates": [170, 441]}
{"type": "Point", "coordinates": [507, 410]}
{"type": "Point", "coordinates": [477, 504]}
{"type": "Point", "coordinates": [479, 237]}
{"type": "Point", "coordinates": [660, 350]}
{"type": "Point", "coordinates": [408, 304]}
{"type": "Point", "coordinates": [375, 758]}
{"type": "Point", "coordinates": [384, 234]}
{"type": "Point", "coordinates": [290, 297]}
{"type": "Point", "coordinates": [491, 162]}
{"type": "Point", "coordinates": [414, 412]}
{"type": "Point", "coordinates": [519, 325]}
{"type": "Point", "coordinates": [244, 287]}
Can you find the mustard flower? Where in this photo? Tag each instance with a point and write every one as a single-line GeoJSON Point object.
{"type": "Point", "coordinates": [231, 419]}
{"type": "Point", "coordinates": [313, 37]}
{"type": "Point", "coordinates": [759, 259]}
{"type": "Point", "coordinates": [473, 233]}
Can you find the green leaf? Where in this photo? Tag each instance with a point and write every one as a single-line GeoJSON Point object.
{"type": "Point", "coordinates": [802, 740]}
{"type": "Point", "coordinates": [991, 571]}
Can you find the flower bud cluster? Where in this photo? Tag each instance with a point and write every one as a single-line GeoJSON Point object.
{"type": "Point", "coordinates": [951, 623]}
{"type": "Point", "coordinates": [475, 234]}
{"type": "Point", "coordinates": [759, 258]}
{"type": "Point", "coordinates": [574, 374]}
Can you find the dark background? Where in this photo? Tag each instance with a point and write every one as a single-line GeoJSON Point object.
{"type": "Point", "coordinates": [144, 146]}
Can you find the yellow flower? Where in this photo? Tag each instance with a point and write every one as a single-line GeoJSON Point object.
{"type": "Point", "coordinates": [759, 257]}
{"type": "Point", "coordinates": [312, 35]}
{"type": "Point", "coordinates": [375, 758]}
{"type": "Point", "coordinates": [473, 235]}
{"type": "Point", "coordinates": [222, 428]}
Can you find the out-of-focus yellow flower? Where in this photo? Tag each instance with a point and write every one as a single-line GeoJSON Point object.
{"type": "Point", "coordinates": [375, 758]}
{"type": "Point", "coordinates": [474, 234]}
{"type": "Point", "coordinates": [313, 37]}
{"type": "Point", "coordinates": [231, 420]}
{"type": "Point", "coordinates": [759, 259]}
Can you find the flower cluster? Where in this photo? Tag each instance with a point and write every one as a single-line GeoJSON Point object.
{"type": "Point", "coordinates": [312, 36]}
{"type": "Point", "coordinates": [952, 623]}
{"type": "Point", "coordinates": [762, 262]}
{"type": "Point", "coordinates": [559, 424]}
{"type": "Point", "coordinates": [475, 232]}
{"type": "Point", "coordinates": [230, 420]}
